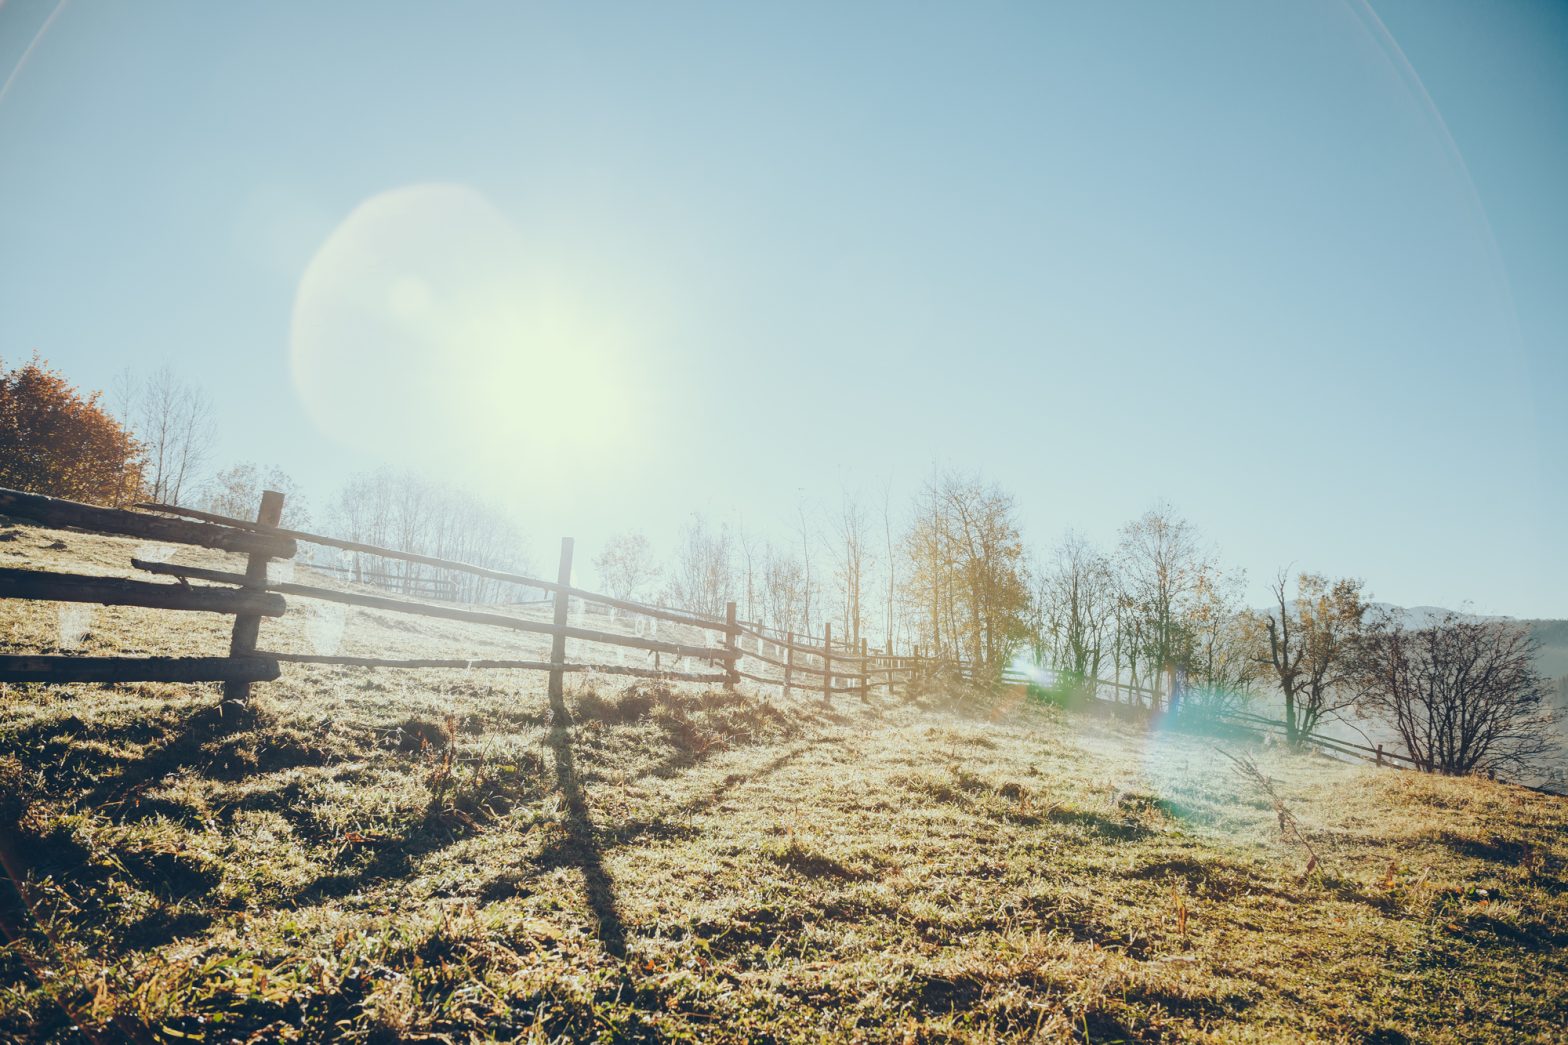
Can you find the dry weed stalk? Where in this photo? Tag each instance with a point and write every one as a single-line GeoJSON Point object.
{"type": "Point", "coordinates": [1289, 826]}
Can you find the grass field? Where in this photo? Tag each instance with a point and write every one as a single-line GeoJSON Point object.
{"type": "Point", "coordinates": [426, 856]}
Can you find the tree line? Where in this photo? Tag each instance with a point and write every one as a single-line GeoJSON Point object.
{"type": "Point", "coordinates": [1155, 612]}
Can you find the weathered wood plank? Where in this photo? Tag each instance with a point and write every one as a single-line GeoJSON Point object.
{"type": "Point", "coordinates": [513, 665]}
{"type": "Point", "coordinates": [116, 591]}
{"type": "Point", "coordinates": [56, 511]}
{"type": "Point", "coordinates": [420, 609]}
{"type": "Point", "coordinates": [195, 573]}
{"type": "Point", "coordinates": [28, 668]}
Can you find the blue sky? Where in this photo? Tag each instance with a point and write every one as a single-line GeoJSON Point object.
{"type": "Point", "coordinates": [1300, 269]}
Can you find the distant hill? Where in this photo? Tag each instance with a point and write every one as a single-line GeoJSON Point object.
{"type": "Point", "coordinates": [1553, 637]}
{"type": "Point", "coordinates": [1551, 660]}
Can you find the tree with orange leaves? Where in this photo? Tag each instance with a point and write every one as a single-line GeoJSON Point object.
{"type": "Point", "coordinates": [55, 440]}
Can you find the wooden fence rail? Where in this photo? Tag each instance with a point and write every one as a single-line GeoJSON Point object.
{"type": "Point", "coordinates": [26, 668]}
{"type": "Point", "coordinates": [63, 514]}
{"type": "Point", "coordinates": [116, 591]}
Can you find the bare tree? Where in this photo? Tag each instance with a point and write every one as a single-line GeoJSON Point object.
{"type": "Point", "coordinates": [887, 550]}
{"type": "Point", "coordinates": [1220, 670]}
{"type": "Point", "coordinates": [1308, 644]}
{"type": "Point", "coordinates": [851, 530]}
{"type": "Point", "coordinates": [1463, 694]}
{"type": "Point", "coordinates": [236, 492]}
{"type": "Point", "coordinates": [702, 578]}
{"type": "Point", "coordinates": [805, 560]}
{"type": "Point", "coordinates": [401, 510]}
{"type": "Point", "coordinates": [626, 566]}
{"type": "Point", "coordinates": [1075, 606]}
{"type": "Point", "coordinates": [749, 552]}
{"type": "Point", "coordinates": [1162, 568]}
{"type": "Point", "coordinates": [783, 590]}
{"type": "Point", "coordinates": [173, 421]}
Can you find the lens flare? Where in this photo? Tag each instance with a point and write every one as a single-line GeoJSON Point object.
{"type": "Point", "coordinates": [426, 331]}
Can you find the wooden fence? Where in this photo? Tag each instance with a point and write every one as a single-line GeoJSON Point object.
{"type": "Point", "coordinates": [247, 601]}
{"type": "Point", "coordinates": [740, 650]}
{"type": "Point", "coordinates": [734, 651]}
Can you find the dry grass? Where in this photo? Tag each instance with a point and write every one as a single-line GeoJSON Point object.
{"type": "Point", "coordinates": [421, 856]}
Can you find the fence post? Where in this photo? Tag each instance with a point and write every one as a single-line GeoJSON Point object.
{"type": "Point", "coordinates": [1380, 754]}
{"type": "Point", "coordinates": [827, 663]}
{"type": "Point", "coordinates": [732, 644]}
{"type": "Point", "coordinates": [247, 628]}
{"type": "Point", "coordinates": [563, 577]}
{"type": "Point", "coordinates": [865, 671]}
{"type": "Point", "coordinates": [789, 661]}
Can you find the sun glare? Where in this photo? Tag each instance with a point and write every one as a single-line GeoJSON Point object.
{"type": "Point", "coordinates": [424, 330]}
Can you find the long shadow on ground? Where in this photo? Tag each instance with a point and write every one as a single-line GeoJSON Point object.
{"type": "Point", "coordinates": [584, 851]}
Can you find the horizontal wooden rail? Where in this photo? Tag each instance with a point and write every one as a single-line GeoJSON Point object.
{"type": "Point", "coordinates": [116, 591]}
{"type": "Point", "coordinates": [379, 575]}
{"type": "Point", "coordinates": [797, 666]}
{"type": "Point", "coordinates": [754, 655]}
{"type": "Point", "coordinates": [449, 612]}
{"type": "Point", "coordinates": [516, 665]}
{"type": "Point", "coordinates": [813, 651]}
{"type": "Point", "coordinates": [192, 573]}
{"type": "Point", "coordinates": [422, 609]}
{"type": "Point", "coordinates": [28, 668]}
{"type": "Point", "coordinates": [1344, 747]}
{"type": "Point", "coordinates": [499, 620]}
{"type": "Point", "coordinates": [660, 613]}
{"type": "Point", "coordinates": [56, 511]}
{"type": "Point", "coordinates": [802, 669]}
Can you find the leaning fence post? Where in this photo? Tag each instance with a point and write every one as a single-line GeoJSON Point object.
{"type": "Point", "coordinates": [789, 661]}
{"type": "Point", "coordinates": [563, 578]}
{"type": "Point", "coordinates": [731, 643]}
{"type": "Point", "coordinates": [827, 663]}
{"type": "Point", "coordinates": [247, 627]}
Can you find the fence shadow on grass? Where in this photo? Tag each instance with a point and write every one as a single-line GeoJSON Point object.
{"type": "Point", "coordinates": [182, 747]}
{"type": "Point", "coordinates": [584, 850]}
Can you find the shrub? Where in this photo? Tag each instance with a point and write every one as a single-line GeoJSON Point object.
{"type": "Point", "coordinates": [56, 441]}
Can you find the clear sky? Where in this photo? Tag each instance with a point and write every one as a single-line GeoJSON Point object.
{"type": "Point", "coordinates": [1299, 268]}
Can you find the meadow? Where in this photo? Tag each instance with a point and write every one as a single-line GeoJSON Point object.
{"type": "Point", "coordinates": [424, 855]}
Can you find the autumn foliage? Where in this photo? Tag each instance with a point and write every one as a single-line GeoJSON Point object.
{"type": "Point", "coordinates": [55, 440]}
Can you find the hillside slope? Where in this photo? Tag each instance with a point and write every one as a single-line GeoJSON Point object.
{"type": "Point", "coordinates": [399, 856]}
